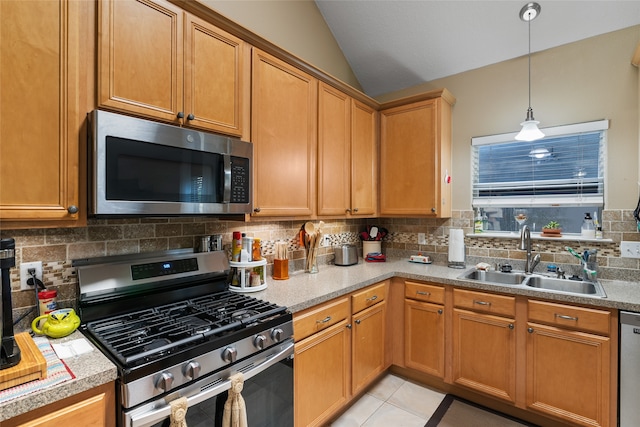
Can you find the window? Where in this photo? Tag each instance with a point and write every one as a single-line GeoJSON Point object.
{"type": "Point", "coordinates": [559, 177]}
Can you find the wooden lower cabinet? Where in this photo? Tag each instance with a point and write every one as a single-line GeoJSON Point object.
{"type": "Point", "coordinates": [569, 371]}
{"type": "Point", "coordinates": [92, 408]}
{"type": "Point", "coordinates": [368, 350]}
{"type": "Point", "coordinates": [484, 353]}
{"type": "Point", "coordinates": [321, 375]}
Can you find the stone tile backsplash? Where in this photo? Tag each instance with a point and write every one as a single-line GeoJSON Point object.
{"type": "Point", "coordinates": [56, 248]}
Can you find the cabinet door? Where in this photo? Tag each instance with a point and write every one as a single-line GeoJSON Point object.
{"type": "Point", "coordinates": [284, 122]}
{"type": "Point", "coordinates": [214, 78]}
{"type": "Point", "coordinates": [321, 375]}
{"type": "Point", "coordinates": [364, 160]}
{"type": "Point", "coordinates": [334, 151]}
{"type": "Point", "coordinates": [484, 351]}
{"type": "Point", "coordinates": [415, 141]}
{"type": "Point", "coordinates": [140, 57]}
{"type": "Point", "coordinates": [568, 375]}
{"type": "Point", "coordinates": [44, 102]}
{"type": "Point", "coordinates": [424, 337]}
{"type": "Point", "coordinates": [368, 348]}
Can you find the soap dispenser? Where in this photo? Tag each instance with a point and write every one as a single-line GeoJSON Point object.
{"type": "Point", "coordinates": [588, 228]}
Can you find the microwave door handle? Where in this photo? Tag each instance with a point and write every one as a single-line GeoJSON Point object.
{"type": "Point", "coordinates": [153, 416]}
{"type": "Point", "coordinates": [226, 196]}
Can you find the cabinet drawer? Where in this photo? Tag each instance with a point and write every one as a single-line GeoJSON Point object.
{"type": "Point", "coordinates": [368, 297]}
{"type": "Point", "coordinates": [424, 292]}
{"type": "Point", "coordinates": [481, 301]}
{"type": "Point", "coordinates": [317, 319]}
{"type": "Point", "coordinates": [568, 316]}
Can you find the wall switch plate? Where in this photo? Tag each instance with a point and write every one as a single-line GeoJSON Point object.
{"type": "Point", "coordinates": [24, 273]}
{"type": "Point", "coordinates": [422, 239]}
{"type": "Point", "coordinates": [630, 249]}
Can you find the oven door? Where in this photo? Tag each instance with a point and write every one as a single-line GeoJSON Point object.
{"type": "Point", "coordinates": [267, 392]}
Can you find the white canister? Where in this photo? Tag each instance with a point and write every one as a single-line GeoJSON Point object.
{"type": "Point", "coordinates": [371, 247]}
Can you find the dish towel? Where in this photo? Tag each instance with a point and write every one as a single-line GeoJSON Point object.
{"type": "Point", "coordinates": [178, 412]}
{"type": "Point", "coordinates": [235, 411]}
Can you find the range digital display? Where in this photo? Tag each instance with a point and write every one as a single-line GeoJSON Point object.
{"type": "Point", "coordinates": [163, 268]}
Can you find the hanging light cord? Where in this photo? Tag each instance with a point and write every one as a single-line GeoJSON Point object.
{"type": "Point", "coordinates": [529, 24]}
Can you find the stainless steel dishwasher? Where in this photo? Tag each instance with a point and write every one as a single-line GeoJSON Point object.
{"type": "Point", "coordinates": [629, 369]}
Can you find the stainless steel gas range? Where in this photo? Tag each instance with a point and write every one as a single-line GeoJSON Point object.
{"type": "Point", "coordinates": [172, 327]}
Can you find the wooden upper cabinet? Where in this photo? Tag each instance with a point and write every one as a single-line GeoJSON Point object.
{"type": "Point", "coordinates": [284, 124]}
{"type": "Point", "coordinates": [415, 158]}
{"type": "Point", "coordinates": [45, 78]}
{"type": "Point", "coordinates": [158, 61]}
{"type": "Point", "coordinates": [347, 155]}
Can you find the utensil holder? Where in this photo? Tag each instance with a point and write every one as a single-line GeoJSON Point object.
{"type": "Point", "coordinates": [370, 247]}
{"type": "Point", "coordinates": [311, 263]}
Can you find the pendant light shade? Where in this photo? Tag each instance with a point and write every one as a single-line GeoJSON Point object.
{"type": "Point", "coordinates": [530, 131]}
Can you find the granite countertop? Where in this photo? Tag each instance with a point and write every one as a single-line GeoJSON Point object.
{"type": "Point", "coordinates": [90, 369]}
{"type": "Point", "coordinates": [304, 290]}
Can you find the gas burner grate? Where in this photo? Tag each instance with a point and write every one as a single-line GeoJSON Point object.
{"type": "Point", "coordinates": [149, 334]}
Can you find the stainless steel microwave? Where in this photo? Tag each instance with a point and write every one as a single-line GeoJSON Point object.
{"type": "Point", "coordinates": [144, 168]}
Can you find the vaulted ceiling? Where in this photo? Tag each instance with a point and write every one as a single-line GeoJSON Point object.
{"type": "Point", "coordinates": [395, 44]}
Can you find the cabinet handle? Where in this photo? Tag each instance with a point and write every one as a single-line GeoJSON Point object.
{"type": "Point", "coordinates": [349, 326]}
{"type": "Point", "coordinates": [530, 330]}
{"type": "Point", "coordinates": [355, 209]}
{"type": "Point", "coordinates": [423, 293]}
{"type": "Point", "coordinates": [510, 325]}
{"type": "Point", "coordinates": [72, 209]}
{"type": "Point", "coordinates": [256, 210]}
{"type": "Point", "coordinates": [348, 210]}
{"type": "Point", "coordinates": [373, 298]}
{"type": "Point", "coordinates": [358, 321]}
{"type": "Point", "coordinates": [481, 302]}
{"type": "Point", "coordinates": [440, 311]}
{"type": "Point", "coordinates": [433, 210]}
{"type": "Point", "coordinates": [325, 320]}
{"type": "Point", "coordinates": [191, 117]}
{"type": "Point", "coordinates": [562, 316]}
{"type": "Point", "coordinates": [180, 115]}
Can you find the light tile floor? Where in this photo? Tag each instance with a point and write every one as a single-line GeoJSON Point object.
{"type": "Point", "coordinates": [393, 401]}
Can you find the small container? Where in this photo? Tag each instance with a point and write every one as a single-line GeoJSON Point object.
{"type": "Point", "coordinates": [215, 242]}
{"type": "Point", "coordinates": [588, 230]}
{"type": "Point", "coordinates": [599, 233]}
{"type": "Point", "coordinates": [47, 302]}
{"type": "Point", "coordinates": [247, 245]}
{"type": "Point", "coordinates": [281, 269]}
{"type": "Point", "coordinates": [205, 244]}
{"type": "Point", "coordinates": [236, 246]}
{"type": "Point", "coordinates": [256, 254]}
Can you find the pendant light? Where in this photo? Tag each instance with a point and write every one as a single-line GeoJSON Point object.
{"type": "Point", "coordinates": [530, 131]}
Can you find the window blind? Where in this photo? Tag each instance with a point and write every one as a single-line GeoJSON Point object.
{"type": "Point", "coordinates": [559, 170]}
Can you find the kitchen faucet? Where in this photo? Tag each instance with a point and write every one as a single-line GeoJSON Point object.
{"type": "Point", "coordinates": [525, 244]}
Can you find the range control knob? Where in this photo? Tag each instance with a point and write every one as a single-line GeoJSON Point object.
{"type": "Point", "coordinates": [259, 341]}
{"type": "Point", "coordinates": [229, 354]}
{"type": "Point", "coordinates": [191, 370]}
{"type": "Point", "coordinates": [164, 381]}
{"type": "Point", "coordinates": [276, 334]}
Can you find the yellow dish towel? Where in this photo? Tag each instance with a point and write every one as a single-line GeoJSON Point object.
{"type": "Point", "coordinates": [235, 411]}
{"type": "Point", "coordinates": [178, 412]}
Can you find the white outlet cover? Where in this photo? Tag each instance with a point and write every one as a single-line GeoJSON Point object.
{"type": "Point", "coordinates": [422, 239]}
{"type": "Point", "coordinates": [24, 273]}
{"type": "Point", "coordinates": [630, 249]}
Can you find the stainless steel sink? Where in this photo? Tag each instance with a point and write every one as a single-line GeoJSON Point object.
{"type": "Point", "coordinates": [536, 282]}
{"type": "Point", "coordinates": [513, 278]}
{"type": "Point", "coordinates": [565, 285]}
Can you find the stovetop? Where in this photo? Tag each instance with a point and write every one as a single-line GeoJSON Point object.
{"type": "Point", "coordinates": [143, 336]}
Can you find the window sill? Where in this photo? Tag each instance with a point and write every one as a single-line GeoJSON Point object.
{"type": "Point", "coordinates": [536, 236]}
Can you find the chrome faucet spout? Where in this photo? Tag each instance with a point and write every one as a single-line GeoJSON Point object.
{"type": "Point", "coordinates": [525, 245]}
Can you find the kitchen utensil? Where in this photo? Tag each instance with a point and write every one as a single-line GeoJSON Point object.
{"type": "Point", "coordinates": [58, 324]}
{"type": "Point", "coordinates": [345, 255]}
{"type": "Point", "coordinates": [373, 234]}
{"type": "Point", "coordinates": [364, 235]}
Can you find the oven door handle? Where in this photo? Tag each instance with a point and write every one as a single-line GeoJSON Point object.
{"type": "Point", "coordinates": [153, 416]}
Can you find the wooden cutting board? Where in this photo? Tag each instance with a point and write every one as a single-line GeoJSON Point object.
{"type": "Point", "coordinates": [32, 366]}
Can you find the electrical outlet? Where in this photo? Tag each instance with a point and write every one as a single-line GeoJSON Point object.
{"type": "Point", "coordinates": [326, 240]}
{"type": "Point", "coordinates": [630, 249]}
{"type": "Point", "coordinates": [24, 273]}
{"type": "Point", "coordinates": [422, 239]}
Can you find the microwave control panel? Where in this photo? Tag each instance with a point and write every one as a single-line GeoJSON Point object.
{"type": "Point", "coordinates": [239, 180]}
